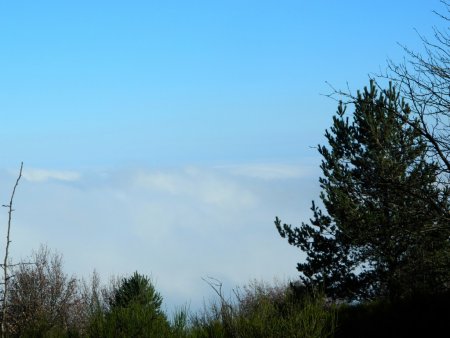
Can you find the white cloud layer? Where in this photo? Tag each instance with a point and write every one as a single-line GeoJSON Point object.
{"type": "Point", "coordinates": [176, 225]}
{"type": "Point", "coordinates": [42, 175]}
{"type": "Point", "coordinates": [205, 187]}
{"type": "Point", "coordinates": [270, 171]}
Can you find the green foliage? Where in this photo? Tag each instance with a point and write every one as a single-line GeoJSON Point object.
{"type": "Point", "coordinates": [135, 320]}
{"type": "Point", "coordinates": [180, 322]}
{"type": "Point", "coordinates": [383, 233]}
{"type": "Point", "coordinates": [133, 311]}
{"type": "Point", "coordinates": [264, 311]}
{"type": "Point", "coordinates": [136, 289]}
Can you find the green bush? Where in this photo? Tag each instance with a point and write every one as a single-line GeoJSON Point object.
{"type": "Point", "coordinates": [133, 311]}
{"type": "Point", "coordinates": [260, 310]}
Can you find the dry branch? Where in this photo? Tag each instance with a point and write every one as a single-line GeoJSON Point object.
{"type": "Point", "coordinates": [5, 264]}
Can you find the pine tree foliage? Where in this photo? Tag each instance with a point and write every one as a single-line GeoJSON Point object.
{"type": "Point", "coordinates": [381, 234]}
{"type": "Point", "coordinates": [135, 310]}
{"type": "Point", "coordinates": [131, 308]}
{"type": "Point", "coordinates": [136, 289]}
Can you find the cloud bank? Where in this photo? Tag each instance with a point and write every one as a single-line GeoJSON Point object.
{"type": "Point", "coordinates": [177, 225]}
{"type": "Point", "coordinates": [41, 175]}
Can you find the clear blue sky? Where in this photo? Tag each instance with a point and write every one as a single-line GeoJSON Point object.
{"type": "Point", "coordinates": [177, 115]}
{"type": "Point", "coordinates": [95, 83]}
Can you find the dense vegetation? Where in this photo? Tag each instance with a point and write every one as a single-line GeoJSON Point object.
{"type": "Point", "coordinates": [377, 247]}
{"type": "Point", "coordinates": [45, 302]}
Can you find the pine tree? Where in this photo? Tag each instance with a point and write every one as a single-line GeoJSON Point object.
{"type": "Point", "coordinates": [134, 311]}
{"type": "Point", "coordinates": [139, 289]}
{"type": "Point", "coordinates": [381, 234]}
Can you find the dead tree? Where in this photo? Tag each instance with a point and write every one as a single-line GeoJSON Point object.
{"type": "Point", "coordinates": [6, 264]}
{"type": "Point", "coordinates": [424, 80]}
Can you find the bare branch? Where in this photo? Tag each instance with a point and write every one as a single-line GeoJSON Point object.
{"type": "Point", "coordinates": [5, 264]}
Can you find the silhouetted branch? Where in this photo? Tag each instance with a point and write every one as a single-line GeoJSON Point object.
{"type": "Point", "coordinates": [5, 264]}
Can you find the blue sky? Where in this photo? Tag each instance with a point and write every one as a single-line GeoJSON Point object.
{"type": "Point", "coordinates": [165, 136]}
